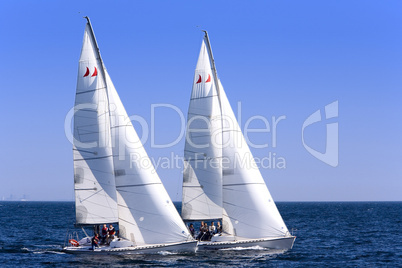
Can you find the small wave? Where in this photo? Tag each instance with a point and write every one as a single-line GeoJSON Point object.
{"type": "Point", "coordinates": [47, 251]}
{"type": "Point", "coordinates": [245, 248]}
{"type": "Point", "coordinates": [55, 252]}
{"type": "Point", "coordinates": [164, 253]}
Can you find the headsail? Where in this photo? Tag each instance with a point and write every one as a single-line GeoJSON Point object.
{"type": "Point", "coordinates": [202, 178]}
{"type": "Point", "coordinates": [146, 213]}
{"type": "Point", "coordinates": [95, 190]}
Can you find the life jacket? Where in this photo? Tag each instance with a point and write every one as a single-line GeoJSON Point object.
{"type": "Point", "coordinates": [95, 240]}
{"type": "Point", "coordinates": [111, 231]}
{"type": "Point", "coordinates": [104, 231]}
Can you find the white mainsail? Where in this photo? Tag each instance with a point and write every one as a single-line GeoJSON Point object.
{"type": "Point", "coordinates": [146, 213]}
{"type": "Point", "coordinates": [202, 178]}
{"type": "Point", "coordinates": [247, 206]}
{"type": "Point", "coordinates": [95, 190]}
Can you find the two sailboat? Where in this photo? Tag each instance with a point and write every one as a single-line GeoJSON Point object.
{"type": "Point", "coordinates": [112, 188]}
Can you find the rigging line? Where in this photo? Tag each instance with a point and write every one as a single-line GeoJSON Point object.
{"type": "Point", "coordinates": [191, 200]}
{"type": "Point", "coordinates": [93, 158]}
{"type": "Point", "coordinates": [207, 195]}
{"type": "Point", "coordinates": [87, 91]}
{"type": "Point", "coordinates": [231, 130]}
{"type": "Point", "coordinates": [85, 189]}
{"type": "Point", "coordinates": [115, 211]}
{"type": "Point", "coordinates": [98, 171]}
{"type": "Point", "coordinates": [89, 133]}
{"type": "Point", "coordinates": [99, 216]}
{"type": "Point", "coordinates": [192, 160]}
{"type": "Point", "coordinates": [82, 130]}
{"type": "Point", "coordinates": [128, 222]}
{"type": "Point", "coordinates": [204, 115]}
{"type": "Point", "coordinates": [205, 97]}
{"type": "Point", "coordinates": [135, 185]}
{"type": "Point", "coordinates": [95, 153]}
{"type": "Point", "coordinates": [237, 206]}
{"type": "Point", "coordinates": [186, 150]}
{"type": "Point", "coordinates": [91, 196]}
{"type": "Point", "coordinates": [245, 223]}
{"type": "Point", "coordinates": [84, 127]}
{"type": "Point", "coordinates": [203, 214]}
{"type": "Point", "coordinates": [235, 191]}
{"type": "Point", "coordinates": [133, 192]}
{"type": "Point", "coordinates": [87, 110]}
{"type": "Point", "coordinates": [120, 126]}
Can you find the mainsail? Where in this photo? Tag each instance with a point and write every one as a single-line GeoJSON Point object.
{"type": "Point", "coordinates": [112, 183]}
{"type": "Point", "coordinates": [247, 208]}
{"type": "Point", "coordinates": [94, 184]}
{"type": "Point", "coordinates": [202, 178]}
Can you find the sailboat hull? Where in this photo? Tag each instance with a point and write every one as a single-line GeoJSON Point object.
{"type": "Point", "coordinates": [270, 243]}
{"type": "Point", "coordinates": [189, 247]}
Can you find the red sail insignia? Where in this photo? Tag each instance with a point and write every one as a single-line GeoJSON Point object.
{"type": "Point", "coordinates": [95, 72]}
{"type": "Point", "coordinates": [199, 79]}
{"type": "Point", "coordinates": [209, 79]}
{"type": "Point", "coordinates": [87, 73]}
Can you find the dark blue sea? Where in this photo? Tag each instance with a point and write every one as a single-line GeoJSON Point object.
{"type": "Point", "coordinates": [344, 234]}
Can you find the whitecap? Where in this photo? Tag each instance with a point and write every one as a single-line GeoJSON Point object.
{"type": "Point", "coordinates": [245, 248]}
{"type": "Point", "coordinates": [55, 252]}
{"type": "Point", "coordinates": [164, 253]}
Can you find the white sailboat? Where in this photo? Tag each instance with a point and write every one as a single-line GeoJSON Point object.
{"type": "Point", "coordinates": [111, 186]}
{"type": "Point", "coordinates": [221, 180]}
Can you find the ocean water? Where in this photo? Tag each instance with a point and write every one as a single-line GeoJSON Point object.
{"type": "Point", "coordinates": [344, 234]}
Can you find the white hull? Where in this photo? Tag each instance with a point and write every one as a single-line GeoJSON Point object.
{"type": "Point", "coordinates": [271, 243]}
{"type": "Point", "coordinates": [190, 247]}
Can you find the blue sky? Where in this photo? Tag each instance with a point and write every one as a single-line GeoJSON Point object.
{"type": "Point", "coordinates": [278, 58]}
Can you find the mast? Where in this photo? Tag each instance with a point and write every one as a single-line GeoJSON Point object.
{"type": "Point", "coordinates": [97, 48]}
{"type": "Point", "coordinates": [100, 59]}
{"type": "Point", "coordinates": [215, 73]}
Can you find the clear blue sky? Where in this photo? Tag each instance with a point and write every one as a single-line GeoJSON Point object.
{"type": "Point", "coordinates": [279, 58]}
